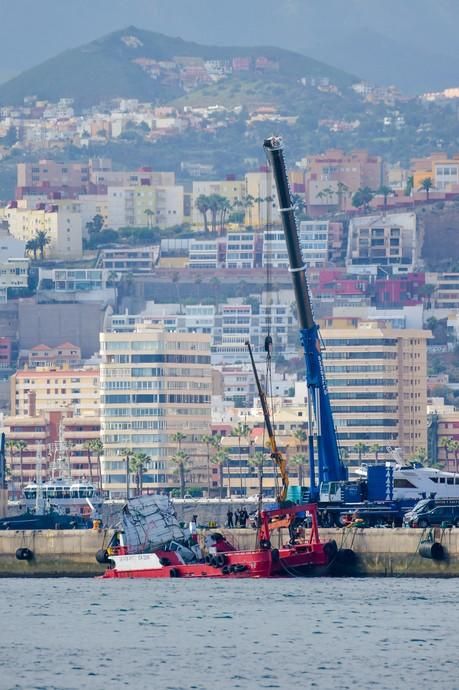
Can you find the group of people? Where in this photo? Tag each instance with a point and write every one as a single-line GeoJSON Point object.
{"type": "Point", "coordinates": [237, 519]}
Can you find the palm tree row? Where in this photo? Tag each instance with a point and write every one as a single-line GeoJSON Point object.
{"type": "Point", "coordinates": [38, 244]}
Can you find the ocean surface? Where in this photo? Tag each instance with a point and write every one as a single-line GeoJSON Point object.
{"type": "Point", "coordinates": [206, 635]}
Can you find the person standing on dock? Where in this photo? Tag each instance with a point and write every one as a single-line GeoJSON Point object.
{"type": "Point", "coordinates": [229, 518]}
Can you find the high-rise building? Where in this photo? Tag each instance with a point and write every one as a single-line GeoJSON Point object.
{"type": "Point", "coordinates": [377, 381]}
{"type": "Point", "coordinates": [154, 384]}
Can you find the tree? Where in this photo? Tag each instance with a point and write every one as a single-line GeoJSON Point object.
{"type": "Point", "coordinates": [222, 458]}
{"type": "Point", "coordinates": [420, 455]}
{"type": "Point", "coordinates": [149, 213]}
{"type": "Point", "coordinates": [445, 442]}
{"type": "Point", "coordinates": [32, 246]}
{"type": "Point", "coordinates": [202, 204]}
{"type": "Point", "coordinates": [298, 460]}
{"type": "Point", "coordinates": [11, 447]}
{"type": "Point", "coordinates": [385, 191]}
{"type": "Point", "coordinates": [98, 448]}
{"type": "Point", "coordinates": [375, 448]}
{"type": "Point", "coordinates": [180, 459]}
{"type": "Point", "coordinates": [21, 446]}
{"type": "Point", "coordinates": [95, 225]}
{"type": "Point", "coordinates": [87, 447]}
{"type": "Point", "coordinates": [455, 450]}
{"type": "Point", "coordinates": [409, 185]}
{"type": "Point", "coordinates": [426, 186]}
{"type": "Point", "coordinates": [362, 197]}
{"type": "Point", "coordinates": [241, 430]}
{"type": "Point", "coordinates": [361, 448]}
{"type": "Point", "coordinates": [257, 460]}
{"type": "Point", "coordinates": [139, 463]}
{"type": "Point", "coordinates": [42, 239]}
{"type": "Point", "coordinates": [127, 455]}
{"type": "Point", "coordinates": [211, 441]}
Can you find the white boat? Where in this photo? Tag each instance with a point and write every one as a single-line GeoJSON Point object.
{"type": "Point", "coordinates": [64, 494]}
{"type": "Point", "coordinates": [413, 481]}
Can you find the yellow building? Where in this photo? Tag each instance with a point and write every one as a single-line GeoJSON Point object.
{"type": "Point", "coordinates": [377, 380]}
{"type": "Point", "coordinates": [442, 170]}
{"type": "Point", "coordinates": [261, 188]}
{"type": "Point", "coordinates": [145, 205]}
{"type": "Point", "coordinates": [233, 190]}
{"type": "Point", "coordinates": [154, 384]}
{"type": "Point", "coordinates": [46, 389]}
{"type": "Point", "coordinates": [62, 225]}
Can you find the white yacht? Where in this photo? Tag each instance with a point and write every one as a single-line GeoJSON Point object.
{"type": "Point", "coordinates": [413, 481]}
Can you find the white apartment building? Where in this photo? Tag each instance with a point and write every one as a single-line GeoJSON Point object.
{"type": "Point", "coordinates": [275, 253]}
{"type": "Point", "coordinates": [386, 240]}
{"type": "Point", "coordinates": [203, 254]}
{"type": "Point", "coordinates": [260, 186]}
{"type": "Point", "coordinates": [240, 250]}
{"type": "Point", "coordinates": [75, 279]}
{"type": "Point", "coordinates": [154, 383]}
{"type": "Point", "coordinates": [232, 329]}
{"type": "Point", "coordinates": [313, 237]}
{"type": "Point", "coordinates": [144, 205]}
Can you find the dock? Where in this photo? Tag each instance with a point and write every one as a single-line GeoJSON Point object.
{"type": "Point", "coordinates": [378, 552]}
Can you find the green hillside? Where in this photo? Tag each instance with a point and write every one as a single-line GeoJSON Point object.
{"type": "Point", "coordinates": [105, 69]}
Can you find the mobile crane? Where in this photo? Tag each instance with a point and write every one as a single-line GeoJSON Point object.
{"type": "Point", "coordinates": [276, 454]}
{"type": "Point", "coordinates": [330, 467]}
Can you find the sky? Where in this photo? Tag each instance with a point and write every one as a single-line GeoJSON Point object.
{"type": "Point", "coordinates": [406, 40]}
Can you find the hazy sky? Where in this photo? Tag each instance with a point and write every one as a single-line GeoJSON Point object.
{"type": "Point", "coordinates": [406, 34]}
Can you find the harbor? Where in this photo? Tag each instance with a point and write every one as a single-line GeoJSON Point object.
{"type": "Point", "coordinates": [378, 552]}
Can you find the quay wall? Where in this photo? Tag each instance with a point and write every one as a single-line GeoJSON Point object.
{"type": "Point", "coordinates": [379, 552]}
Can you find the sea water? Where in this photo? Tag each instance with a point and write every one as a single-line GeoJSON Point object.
{"type": "Point", "coordinates": [73, 634]}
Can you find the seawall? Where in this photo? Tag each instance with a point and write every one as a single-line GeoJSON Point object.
{"type": "Point", "coordinates": [379, 552]}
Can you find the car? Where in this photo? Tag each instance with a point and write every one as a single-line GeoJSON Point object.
{"type": "Point", "coordinates": [435, 515]}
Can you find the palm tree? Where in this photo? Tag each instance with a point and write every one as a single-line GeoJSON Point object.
{"type": "Point", "coordinates": [342, 189]}
{"type": "Point", "coordinates": [32, 246]}
{"type": "Point", "coordinates": [298, 460]}
{"type": "Point", "coordinates": [426, 186]}
{"type": "Point", "coordinates": [12, 446]}
{"type": "Point", "coordinates": [222, 458]}
{"type": "Point", "coordinates": [181, 459]}
{"type": "Point", "coordinates": [362, 197]}
{"type": "Point", "coordinates": [210, 441]}
{"type": "Point", "coordinates": [202, 204]}
{"type": "Point", "coordinates": [42, 239]}
{"type": "Point", "coordinates": [420, 455]}
{"type": "Point", "coordinates": [241, 430]}
{"type": "Point", "coordinates": [375, 448]}
{"type": "Point", "coordinates": [385, 191]}
{"type": "Point", "coordinates": [409, 185]}
{"type": "Point", "coordinates": [445, 442]}
{"type": "Point", "coordinates": [257, 460]}
{"type": "Point", "coordinates": [88, 448]}
{"type": "Point", "coordinates": [455, 449]}
{"type": "Point", "coordinates": [139, 462]}
{"type": "Point", "coordinates": [127, 454]}
{"type": "Point", "coordinates": [361, 449]}
{"type": "Point", "coordinates": [98, 448]}
{"type": "Point", "coordinates": [149, 213]}
{"type": "Point", "coordinates": [21, 446]}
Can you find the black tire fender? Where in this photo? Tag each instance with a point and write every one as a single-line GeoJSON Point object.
{"type": "Point", "coordinates": [220, 559]}
{"type": "Point", "coordinates": [174, 572]}
{"type": "Point", "coordinates": [24, 554]}
{"type": "Point", "coordinates": [102, 556]}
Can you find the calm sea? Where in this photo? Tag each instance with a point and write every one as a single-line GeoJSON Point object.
{"type": "Point", "coordinates": [203, 635]}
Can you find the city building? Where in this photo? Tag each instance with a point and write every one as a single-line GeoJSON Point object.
{"type": "Point", "coordinates": [128, 259]}
{"type": "Point", "coordinates": [62, 227]}
{"type": "Point", "coordinates": [48, 389]}
{"type": "Point", "coordinates": [376, 378]}
{"type": "Point", "coordinates": [442, 170]}
{"type": "Point", "coordinates": [154, 384]}
{"type": "Point", "coordinates": [262, 206]}
{"type": "Point", "coordinates": [388, 241]}
{"type": "Point", "coordinates": [45, 356]}
{"type": "Point", "coordinates": [145, 205]}
{"type": "Point", "coordinates": [314, 238]}
{"type": "Point", "coordinates": [233, 190]}
{"type": "Point", "coordinates": [240, 250]}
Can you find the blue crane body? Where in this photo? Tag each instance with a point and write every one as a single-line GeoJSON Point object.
{"type": "Point", "coordinates": [324, 441]}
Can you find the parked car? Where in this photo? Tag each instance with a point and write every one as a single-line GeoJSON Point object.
{"type": "Point", "coordinates": [433, 513]}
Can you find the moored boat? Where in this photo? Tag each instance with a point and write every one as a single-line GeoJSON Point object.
{"type": "Point", "coordinates": [152, 544]}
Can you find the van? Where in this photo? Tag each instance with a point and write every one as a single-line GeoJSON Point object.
{"type": "Point", "coordinates": [433, 513]}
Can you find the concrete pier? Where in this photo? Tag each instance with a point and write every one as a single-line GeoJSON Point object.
{"type": "Point", "coordinates": [379, 552]}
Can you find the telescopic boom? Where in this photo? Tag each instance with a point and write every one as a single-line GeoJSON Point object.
{"type": "Point", "coordinates": [330, 466]}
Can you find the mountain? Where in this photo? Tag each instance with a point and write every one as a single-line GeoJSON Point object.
{"type": "Point", "coordinates": [125, 64]}
{"type": "Point", "coordinates": [410, 43]}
